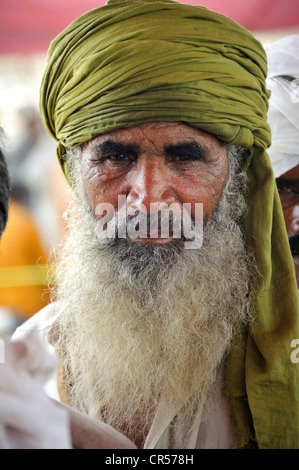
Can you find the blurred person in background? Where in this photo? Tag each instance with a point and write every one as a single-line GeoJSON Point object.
{"type": "Point", "coordinates": [38, 199]}
{"type": "Point", "coordinates": [36, 177]}
{"type": "Point", "coordinates": [23, 263]}
{"type": "Point", "coordinates": [283, 118]}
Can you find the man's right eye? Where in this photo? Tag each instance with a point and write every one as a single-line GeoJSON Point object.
{"type": "Point", "coordinates": [116, 157]}
{"type": "Point", "coordinates": [119, 157]}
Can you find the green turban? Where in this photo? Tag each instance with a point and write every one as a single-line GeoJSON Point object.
{"type": "Point", "coordinates": [137, 61]}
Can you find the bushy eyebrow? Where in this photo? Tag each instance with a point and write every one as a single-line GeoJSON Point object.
{"type": "Point", "coordinates": [112, 147]}
{"type": "Point", "coordinates": [184, 150]}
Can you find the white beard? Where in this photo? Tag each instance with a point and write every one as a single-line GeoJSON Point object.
{"type": "Point", "coordinates": [141, 325]}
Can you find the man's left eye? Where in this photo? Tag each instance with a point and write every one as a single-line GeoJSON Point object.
{"type": "Point", "coordinates": [185, 158]}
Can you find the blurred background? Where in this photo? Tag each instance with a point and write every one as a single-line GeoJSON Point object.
{"type": "Point", "coordinates": [40, 193]}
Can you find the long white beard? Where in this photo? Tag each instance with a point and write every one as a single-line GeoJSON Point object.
{"type": "Point", "coordinates": [141, 325]}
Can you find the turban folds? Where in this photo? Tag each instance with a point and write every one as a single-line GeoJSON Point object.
{"type": "Point", "coordinates": [138, 61]}
{"type": "Point", "coordinates": [133, 62]}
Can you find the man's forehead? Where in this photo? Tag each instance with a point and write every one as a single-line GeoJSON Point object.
{"type": "Point", "coordinates": [161, 132]}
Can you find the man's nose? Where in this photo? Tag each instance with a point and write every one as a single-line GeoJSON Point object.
{"type": "Point", "coordinates": [150, 183]}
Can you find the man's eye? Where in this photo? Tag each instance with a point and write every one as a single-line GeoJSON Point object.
{"type": "Point", "coordinates": [184, 158]}
{"type": "Point", "coordinates": [118, 157]}
{"type": "Point", "coordinates": [115, 157]}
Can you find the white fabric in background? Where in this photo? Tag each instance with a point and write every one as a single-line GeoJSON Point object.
{"type": "Point", "coordinates": [283, 114]}
{"type": "Point", "coordinates": [28, 418]}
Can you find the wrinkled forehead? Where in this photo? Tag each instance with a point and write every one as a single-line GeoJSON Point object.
{"type": "Point", "coordinates": [160, 134]}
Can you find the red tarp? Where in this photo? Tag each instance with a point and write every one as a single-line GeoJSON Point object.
{"type": "Point", "coordinates": [30, 25]}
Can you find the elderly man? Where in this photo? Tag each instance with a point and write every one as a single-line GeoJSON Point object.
{"type": "Point", "coordinates": [154, 104]}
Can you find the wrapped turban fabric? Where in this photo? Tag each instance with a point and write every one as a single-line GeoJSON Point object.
{"type": "Point", "coordinates": [137, 61]}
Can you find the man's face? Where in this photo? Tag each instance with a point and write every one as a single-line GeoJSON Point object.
{"type": "Point", "coordinates": [288, 187]}
{"type": "Point", "coordinates": [155, 163]}
{"type": "Point", "coordinates": [137, 321]}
